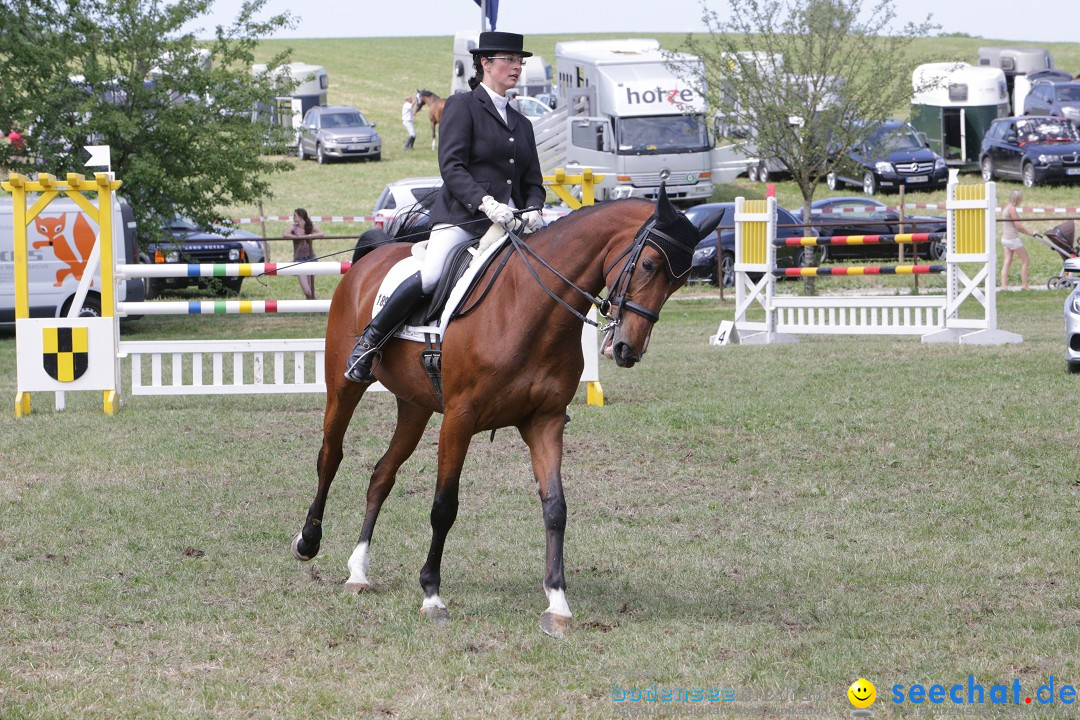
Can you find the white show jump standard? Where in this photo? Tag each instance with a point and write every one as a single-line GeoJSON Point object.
{"type": "Point", "coordinates": [249, 367]}
{"type": "Point", "coordinates": [970, 243]}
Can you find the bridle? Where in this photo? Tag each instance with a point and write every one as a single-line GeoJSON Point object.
{"type": "Point", "coordinates": [668, 246]}
{"type": "Point", "coordinates": [663, 243]}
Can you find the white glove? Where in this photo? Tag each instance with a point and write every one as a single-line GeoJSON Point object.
{"type": "Point", "coordinates": [532, 220]}
{"type": "Point", "coordinates": [496, 211]}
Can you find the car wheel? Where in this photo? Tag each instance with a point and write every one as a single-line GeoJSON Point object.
{"type": "Point", "coordinates": [1028, 174]}
{"type": "Point", "coordinates": [987, 170]}
{"type": "Point", "coordinates": [230, 286]}
{"type": "Point", "coordinates": [727, 269]}
{"type": "Point", "coordinates": [830, 181]}
{"type": "Point", "coordinates": [154, 287]}
{"type": "Point", "coordinates": [1073, 366]}
{"type": "Point", "coordinates": [300, 151]}
{"type": "Point", "coordinates": [320, 155]}
{"type": "Point", "coordinates": [91, 306]}
{"type": "Point", "coordinates": [938, 250]}
{"type": "Point", "coordinates": [377, 156]}
{"type": "Point", "coordinates": [762, 172]}
{"type": "Point", "coordinates": [869, 184]}
{"type": "Point", "coordinates": [751, 172]}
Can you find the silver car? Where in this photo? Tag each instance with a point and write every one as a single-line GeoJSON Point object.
{"type": "Point", "coordinates": [1072, 320]}
{"type": "Point", "coordinates": [338, 131]}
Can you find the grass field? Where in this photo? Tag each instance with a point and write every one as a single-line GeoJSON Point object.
{"type": "Point", "coordinates": [756, 518]}
{"type": "Point", "coordinates": [765, 520]}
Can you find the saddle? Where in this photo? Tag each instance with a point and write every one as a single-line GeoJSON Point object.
{"type": "Point", "coordinates": [466, 264]}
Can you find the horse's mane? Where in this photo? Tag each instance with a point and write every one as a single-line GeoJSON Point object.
{"type": "Point", "coordinates": [587, 211]}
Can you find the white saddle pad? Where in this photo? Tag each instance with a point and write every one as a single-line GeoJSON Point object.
{"type": "Point", "coordinates": [407, 266]}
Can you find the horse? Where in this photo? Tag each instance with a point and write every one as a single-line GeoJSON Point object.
{"type": "Point", "coordinates": [512, 361]}
{"type": "Point", "coordinates": [435, 106]}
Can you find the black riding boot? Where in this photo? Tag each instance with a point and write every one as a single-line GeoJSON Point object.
{"type": "Point", "coordinates": [409, 142]}
{"type": "Point", "coordinates": [401, 302]}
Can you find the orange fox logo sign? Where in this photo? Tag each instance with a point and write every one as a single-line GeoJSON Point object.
{"type": "Point", "coordinates": [83, 235]}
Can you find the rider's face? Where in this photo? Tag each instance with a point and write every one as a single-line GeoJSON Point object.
{"type": "Point", "coordinates": [502, 74]}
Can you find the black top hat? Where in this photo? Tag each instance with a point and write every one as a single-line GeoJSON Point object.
{"type": "Point", "coordinates": [497, 42]}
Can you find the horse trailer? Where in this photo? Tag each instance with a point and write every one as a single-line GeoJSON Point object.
{"type": "Point", "coordinates": [953, 105]}
{"type": "Point", "coordinates": [300, 87]}
{"type": "Point", "coordinates": [1016, 62]}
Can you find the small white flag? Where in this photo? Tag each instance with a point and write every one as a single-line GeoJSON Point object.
{"type": "Point", "coordinates": [99, 156]}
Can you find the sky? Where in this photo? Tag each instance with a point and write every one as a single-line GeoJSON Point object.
{"type": "Point", "coordinates": [1030, 21]}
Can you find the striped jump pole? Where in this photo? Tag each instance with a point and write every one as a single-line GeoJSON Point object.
{"type": "Point", "coordinates": [860, 270]}
{"type": "Point", "coordinates": [231, 270]}
{"type": "Point", "coordinates": [221, 307]}
{"type": "Point", "coordinates": [895, 239]}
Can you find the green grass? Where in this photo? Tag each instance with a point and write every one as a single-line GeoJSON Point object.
{"type": "Point", "coordinates": [746, 517]}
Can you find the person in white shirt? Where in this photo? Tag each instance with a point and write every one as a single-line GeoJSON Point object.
{"type": "Point", "coordinates": [408, 112]}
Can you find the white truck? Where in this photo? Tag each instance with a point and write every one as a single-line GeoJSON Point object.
{"type": "Point", "coordinates": [59, 242]}
{"type": "Point", "coordinates": [627, 114]}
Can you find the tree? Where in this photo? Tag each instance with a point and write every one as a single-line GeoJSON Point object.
{"type": "Point", "coordinates": [124, 73]}
{"type": "Point", "coordinates": [802, 81]}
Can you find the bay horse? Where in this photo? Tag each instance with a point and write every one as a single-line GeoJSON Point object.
{"type": "Point", "coordinates": [514, 360]}
{"type": "Point", "coordinates": [435, 106]}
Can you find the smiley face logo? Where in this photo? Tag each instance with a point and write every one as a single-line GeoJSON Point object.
{"type": "Point", "coordinates": [862, 693]}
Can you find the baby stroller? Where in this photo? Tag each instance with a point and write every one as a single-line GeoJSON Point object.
{"type": "Point", "coordinates": [1061, 239]}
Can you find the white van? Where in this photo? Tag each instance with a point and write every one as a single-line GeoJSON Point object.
{"type": "Point", "coordinates": [59, 241]}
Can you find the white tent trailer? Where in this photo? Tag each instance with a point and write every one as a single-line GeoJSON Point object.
{"type": "Point", "coordinates": [1015, 61]}
{"type": "Point", "coordinates": [301, 87]}
{"type": "Point", "coordinates": [626, 114]}
{"type": "Point", "coordinates": [535, 76]}
{"type": "Point", "coordinates": [953, 105]}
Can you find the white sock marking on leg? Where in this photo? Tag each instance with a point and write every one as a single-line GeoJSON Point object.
{"type": "Point", "coordinates": [358, 564]}
{"type": "Point", "coordinates": [557, 603]}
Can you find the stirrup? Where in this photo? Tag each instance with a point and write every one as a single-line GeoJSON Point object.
{"type": "Point", "coordinates": [366, 356]}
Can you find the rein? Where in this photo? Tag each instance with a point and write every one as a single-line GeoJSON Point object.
{"type": "Point", "coordinates": [616, 295]}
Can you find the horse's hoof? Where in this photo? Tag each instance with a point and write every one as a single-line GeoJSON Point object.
{"type": "Point", "coordinates": [355, 588]}
{"type": "Point", "coordinates": [437, 615]}
{"type": "Point", "coordinates": [298, 553]}
{"type": "Point", "coordinates": [557, 626]}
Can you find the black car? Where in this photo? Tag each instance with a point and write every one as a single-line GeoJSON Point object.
{"type": "Point", "coordinates": [183, 241]}
{"type": "Point", "coordinates": [705, 265]}
{"type": "Point", "coordinates": [894, 155]}
{"type": "Point", "coordinates": [865, 216]}
{"type": "Point", "coordinates": [1033, 149]}
{"type": "Point", "coordinates": [1059, 99]}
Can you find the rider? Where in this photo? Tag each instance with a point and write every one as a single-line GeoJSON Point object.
{"type": "Point", "coordinates": [489, 165]}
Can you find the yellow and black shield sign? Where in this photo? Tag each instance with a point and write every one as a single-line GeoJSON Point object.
{"type": "Point", "coordinates": [65, 352]}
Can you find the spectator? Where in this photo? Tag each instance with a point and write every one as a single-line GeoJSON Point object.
{"type": "Point", "coordinates": [302, 232]}
{"type": "Point", "coordinates": [408, 112]}
{"type": "Point", "coordinates": [1011, 230]}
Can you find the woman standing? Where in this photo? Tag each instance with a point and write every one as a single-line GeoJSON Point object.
{"type": "Point", "coordinates": [489, 166]}
{"type": "Point", "coordinates": [302, 231]}
{"type": "Point", "coordinates": [1011, 230]}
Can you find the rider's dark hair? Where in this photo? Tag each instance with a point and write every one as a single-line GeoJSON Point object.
{"type": "Point", "coordinates": [478, 74]}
